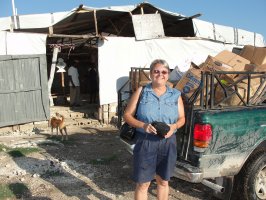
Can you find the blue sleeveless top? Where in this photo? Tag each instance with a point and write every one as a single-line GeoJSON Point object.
{"type": "Point", "coordinates": [162, 109]}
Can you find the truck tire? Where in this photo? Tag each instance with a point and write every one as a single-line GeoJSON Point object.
{"type": "Point", "coordinates": [251, 181]}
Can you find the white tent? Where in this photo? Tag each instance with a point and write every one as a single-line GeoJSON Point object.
{"type": "Point", "coordinates": [202, 29]}
{"type": "Point", "coordinates": [226, 34]}
{"type": "Point", "coordinates": [118, 54]}
{"type": "Point", "coordinates": [22, 43]}
{"type": "Point", "coordinates": [31, 21]}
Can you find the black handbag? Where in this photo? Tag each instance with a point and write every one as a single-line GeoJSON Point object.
{"type": "Point", "coordinates": [161, 128]}
{"type": "Point", "coordinates": [127, 132]}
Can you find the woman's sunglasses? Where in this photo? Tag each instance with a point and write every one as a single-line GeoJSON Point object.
{"type": "Point", "coordinates": [158, 72]}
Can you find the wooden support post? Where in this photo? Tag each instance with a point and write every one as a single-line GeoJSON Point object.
{"type": "Point", "coordinates": [100, 114]}
{"type": "Point", "coordinates": [63, 85]}
{"type": "Point", "coordinates": [52, 71]}
{"type": "Point", "coordinates": [62, 79]}
{"type": "Point", "coordinates": [95, 22]}
{"type": "Point", "coordinates": [51, 30]}
{"type": "Point", "coordinates": [72, 36]}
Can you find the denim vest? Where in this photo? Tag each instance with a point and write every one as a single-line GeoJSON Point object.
{"type": "Point", "coordinates": [153, 108]}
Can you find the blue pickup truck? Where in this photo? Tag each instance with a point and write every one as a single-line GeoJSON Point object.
{"type": "Point", "coordinates": [223, 146]}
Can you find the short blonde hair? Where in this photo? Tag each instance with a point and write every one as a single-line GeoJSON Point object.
{"type": "Point", "coordinates": [159, 61]}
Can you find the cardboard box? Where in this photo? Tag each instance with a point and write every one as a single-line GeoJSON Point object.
{"type": "Point", "coordinates": [190, 81]}
{"type": "Point", "coordinates": [259, 95]}
{"type": "Point", "coordinates": [142, 83]}
{"type": "Point", "coordinates": [253, 68]}
{"type": "Point", "coordinates": [247, 52]}
{"type": "Point", "coordinates": [259, 57]}
{"type": "Point", "coordinates": [139, 76]}
{"type": "Point", "coordinates": [235, 61]}
{"type": "Point", "coordinates": [213, 64]}
{"type": "Point", "coordinates": [256, 55]}
{"type": "Point", "coordinates": [225, 61]}
{"type": "Point", "coordinates": [233, 100]}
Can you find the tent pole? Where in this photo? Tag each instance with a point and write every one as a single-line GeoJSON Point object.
{"type": "Point", "coordinates": [52, 71]}
{"type": "Point", "coordinates": [63, 83]}
{"type": "Point", "coordinates": [95, 22]}
{"type": "Point", "coordinates": [14, 14]}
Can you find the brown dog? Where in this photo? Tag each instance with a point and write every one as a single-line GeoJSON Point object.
{"type": "Point", "coordinates": [58, 122]}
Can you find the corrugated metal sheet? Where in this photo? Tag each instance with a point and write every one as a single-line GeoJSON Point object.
{"type": "Point", "coordinates": [23, 89]}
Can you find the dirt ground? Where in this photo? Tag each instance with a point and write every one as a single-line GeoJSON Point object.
{"type": "Point", "coordinates": [92, 164]}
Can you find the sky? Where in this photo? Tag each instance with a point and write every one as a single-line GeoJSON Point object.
{"type": "Point", "coordinates": [248, 15]}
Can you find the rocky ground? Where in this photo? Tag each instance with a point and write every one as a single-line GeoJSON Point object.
{"type": "Point", "coordinates": [92, 164]}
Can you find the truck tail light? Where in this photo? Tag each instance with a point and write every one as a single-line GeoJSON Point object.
{"type": "Point", "coordinates": [202, 135]}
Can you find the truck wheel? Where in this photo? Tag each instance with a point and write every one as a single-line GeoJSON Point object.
{"type": "Point", "coordinates": [252, 178]}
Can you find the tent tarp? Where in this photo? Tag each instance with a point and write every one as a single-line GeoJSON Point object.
{"type": "Point", "coordinates": [118, 54]}
{"type": "Point", "coordinates": [226, 34]}
{"type": "Point", "coordinates": [117, 21]}
{"type": "Point", "coordinates": [32, 21]}
{"type": "Point", "coordinates": [22, 43]}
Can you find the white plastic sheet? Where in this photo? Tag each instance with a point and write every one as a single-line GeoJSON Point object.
{"type": "Point", "coordinates": [22, 43]}
{"type": "Point", "coordinates": [227, 34]}
{"type": "Point", "coordinates": [118, 54]}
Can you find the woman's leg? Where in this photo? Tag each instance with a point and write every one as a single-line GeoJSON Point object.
{"type": "Point", "coordinates": [162, 188]}
{"type": "Point", "coordinates": [141, 191]}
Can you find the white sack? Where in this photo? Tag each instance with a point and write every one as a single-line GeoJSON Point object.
{"type": "Point", "coordinates": [175, 75]}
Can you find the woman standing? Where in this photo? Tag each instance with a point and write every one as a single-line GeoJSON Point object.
{"type": "Point", "coordinates": [155, 156]}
